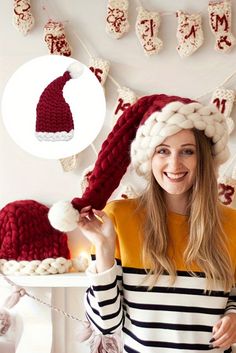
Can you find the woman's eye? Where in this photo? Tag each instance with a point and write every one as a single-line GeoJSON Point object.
{"type": "Point", "coordinates": [188, 152]}
{"type": "Point", "coordinates": [162, 151]}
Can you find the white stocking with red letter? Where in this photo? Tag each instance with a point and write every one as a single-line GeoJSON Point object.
{"type": "Point", "coordinates": [100, 68]}
{"type": "Point", "coordinates": [23, 19]}
{"type": "Point", "coordinates": [220, 23]}
{"type": "Point", "coordinates": [147, 26]}
{"type": "Point", "coordinates": [125, 99]}
{"type": "Point", "coordinates": [224, 101]}
{"type": "Point", "coordinates": [227, 185]}
{"type": "Point", "coordinates": [55, 37]}
{"type": "Point", "coordinates": [189, 33]}
{"type": "Point", "coordinates": [117, 18]}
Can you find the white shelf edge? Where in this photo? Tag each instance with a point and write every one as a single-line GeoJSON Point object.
{"type": "Point", "coordinates": [61, 281]}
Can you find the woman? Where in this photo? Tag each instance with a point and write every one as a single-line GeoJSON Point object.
{"type": "Point", "coordinates": [166, 261]}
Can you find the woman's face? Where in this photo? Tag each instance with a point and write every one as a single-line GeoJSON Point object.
{"type": "Point", "coordinates": [174, 162]}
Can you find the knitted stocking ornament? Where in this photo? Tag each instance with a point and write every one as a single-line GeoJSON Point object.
{"type": "Point", "coordinates": [55, 37]}
{"type": "Point", "coordinates": [224, 101]}
{"type": "Point", "coordinates": [147, 26]}
{"type": "Point", "coordinates": [227, 184]}
{"type": "Point", "coordinates": [117, 18]}
{"type": "Point", "coordinates": [23, 19]}
{"type": "Point", "coordinates": [69, 163]}
{"type": "Point", "coordinates": [220, 23]}
{"type": "Point", "coordinates": [189, 33]}
{"type": "Point", "coordinates": [100, 68]}
{"type": "Point", "coordinates": [125, 99]}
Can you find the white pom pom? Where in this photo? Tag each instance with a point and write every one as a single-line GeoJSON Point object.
{"type": "Point", "coordinates": [63, 216]}
{"type": "Point", "coordinates": [75, 69]}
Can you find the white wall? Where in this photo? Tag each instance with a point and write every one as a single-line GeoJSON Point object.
{"type": "Point", "coordinates": [23, 176]}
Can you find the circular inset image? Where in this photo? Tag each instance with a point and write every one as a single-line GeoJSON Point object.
{"type": "Point", "coordinates": [53, 107]}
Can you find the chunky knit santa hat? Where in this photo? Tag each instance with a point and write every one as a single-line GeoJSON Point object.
{"type": "Point", "coordinates": [54, 121]}
{"type": "Point", "coordinates": [29, 245]}
{"type": "Point", "coordinates": [134, 138]}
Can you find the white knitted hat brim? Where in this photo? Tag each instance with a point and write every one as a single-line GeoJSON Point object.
{"type": "Point", "coordinates": [173, 118]}
{"type": "Point", "coordinates": [55, 136]}
{"type": "Point", "coordinates": [49, 266]}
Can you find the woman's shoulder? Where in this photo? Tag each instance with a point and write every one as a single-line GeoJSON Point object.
{"type": "Point", "coordinates": [121, 206]}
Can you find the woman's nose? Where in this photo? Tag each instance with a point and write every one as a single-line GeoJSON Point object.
{"type": "Point", "coordinates": [174, 161]}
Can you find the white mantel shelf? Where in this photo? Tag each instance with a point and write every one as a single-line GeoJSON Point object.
{"type": "Point", "coordinates": [60, 281]}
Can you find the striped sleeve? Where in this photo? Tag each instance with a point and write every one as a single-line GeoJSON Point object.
{"type": "Point", "coordinates": [231, 304]}
{"type": "Point", "coordinates": [104, 298]}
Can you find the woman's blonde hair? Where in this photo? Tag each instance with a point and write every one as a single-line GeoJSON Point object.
{"type": "Point", "coordinates": [207, 242]}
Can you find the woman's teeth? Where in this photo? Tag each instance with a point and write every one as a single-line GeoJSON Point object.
{"type": "Point", "coordinates": [175, 176]}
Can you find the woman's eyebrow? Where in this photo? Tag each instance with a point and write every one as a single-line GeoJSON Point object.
{"type": "Point", "coordinates": [185, 144]}
{"type": "Point", "coordinates": [163, 144]}
{"type": "Point", "coordinates": [189, 144]}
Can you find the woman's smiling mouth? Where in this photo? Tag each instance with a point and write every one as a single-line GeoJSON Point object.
{"type": "Point", "coordinates": [175, 177]}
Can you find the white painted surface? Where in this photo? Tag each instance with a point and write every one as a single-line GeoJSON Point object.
{"type": "Point", "coordinates": [66, 280]}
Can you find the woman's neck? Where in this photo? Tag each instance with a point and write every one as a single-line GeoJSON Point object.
{"type": "Point", "coordinates": [177, 203]}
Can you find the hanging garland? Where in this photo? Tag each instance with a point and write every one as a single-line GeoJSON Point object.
{"type": "Point", "coordinates": [97, 342]}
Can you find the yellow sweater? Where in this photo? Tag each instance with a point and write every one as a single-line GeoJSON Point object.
{"type": "Point", "coordinates": [128, 225]}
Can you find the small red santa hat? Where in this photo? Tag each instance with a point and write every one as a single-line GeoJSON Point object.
{"type": "Point", "coordinates": [134, 138]}
{"type": "Point", "coordinates": [54, 121]}
{"type": "Point", "coordinates": [29, 245]}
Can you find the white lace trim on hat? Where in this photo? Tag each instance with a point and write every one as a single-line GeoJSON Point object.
{"type": "Point", "coordinates": [47, 266]}
{"type": "Point", "coordinates": [55, 136]}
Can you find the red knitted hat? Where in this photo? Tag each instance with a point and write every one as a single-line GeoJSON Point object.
{"type": "Point", "coordinates": [54, 121]}
{"type": "Point", "coordinates": [134, 138]}
{"type": "Point", "coordinates": [28, 243]}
